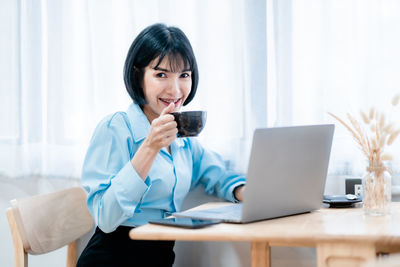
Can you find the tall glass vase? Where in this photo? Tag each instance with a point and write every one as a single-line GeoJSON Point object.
{"type": "Point", "coordinates": [377, 185]}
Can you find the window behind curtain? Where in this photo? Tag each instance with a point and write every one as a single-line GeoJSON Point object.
{"type": "Point", "coordinates": [62, 64]}
{"type": "Point", "coordinates": [333, 56]}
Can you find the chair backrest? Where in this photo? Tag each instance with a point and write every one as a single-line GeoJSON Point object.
{"type": "Point", "coordinates": [391, 260]}
{"type": "Point", "coordinates": [44, 223]}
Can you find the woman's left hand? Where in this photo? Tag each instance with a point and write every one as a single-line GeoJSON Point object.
{"type": "Point", "coordinates": [238, 193]}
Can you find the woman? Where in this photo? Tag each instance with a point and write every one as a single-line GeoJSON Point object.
{"type": "Point", "coordinates": [136, 169]}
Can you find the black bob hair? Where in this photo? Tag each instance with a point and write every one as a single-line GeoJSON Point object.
{"type": "Point", "coordinates": [158, 41]}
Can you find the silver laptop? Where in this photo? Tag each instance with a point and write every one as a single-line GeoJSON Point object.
{"type": "Point", "coordinates": [286, 175]}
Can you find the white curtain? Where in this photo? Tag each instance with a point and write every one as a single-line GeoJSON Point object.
{"type": "Point", "coordinates": [61, 73]}
{"type": "Point", "coordinates": [333, 56]}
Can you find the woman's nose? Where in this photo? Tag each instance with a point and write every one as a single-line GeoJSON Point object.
{"type": "Point", "coordinates": [174, 86]}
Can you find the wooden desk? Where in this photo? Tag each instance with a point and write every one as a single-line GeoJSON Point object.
{"type": "Point", "coordinates": [342, 237]}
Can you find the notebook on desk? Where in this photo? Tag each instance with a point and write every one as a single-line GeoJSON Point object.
{"type": "Point", "coordinates": [286, 175]}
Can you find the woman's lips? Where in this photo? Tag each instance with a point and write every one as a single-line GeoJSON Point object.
{"type": "Point", "coordinates": [166, 102]}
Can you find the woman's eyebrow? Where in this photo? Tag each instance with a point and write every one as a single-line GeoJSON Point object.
{"type": "Point", "coordinates": [165, 70]}
{"type": "Point", "coordinates": [158, 68]}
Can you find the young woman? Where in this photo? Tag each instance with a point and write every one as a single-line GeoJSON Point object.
{"type": "Point", "coordinates": [136, 169]}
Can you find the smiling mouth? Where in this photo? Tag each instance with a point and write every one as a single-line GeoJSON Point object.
{"type": "Point", "coordinates": [166, 101]}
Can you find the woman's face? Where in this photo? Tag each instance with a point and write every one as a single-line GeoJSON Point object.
{"type": "Point", "coordinates": [161, 87]}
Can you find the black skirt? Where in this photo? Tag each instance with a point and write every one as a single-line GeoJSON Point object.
{"type": "Point", "coordinates": [117, 249]}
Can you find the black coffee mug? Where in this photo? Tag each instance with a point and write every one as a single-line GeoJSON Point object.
{"type": "Point", "coordinates": [190, 123]}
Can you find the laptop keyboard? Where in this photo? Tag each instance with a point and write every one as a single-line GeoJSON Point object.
{"type": "Point", "coordinates": [230, 213]}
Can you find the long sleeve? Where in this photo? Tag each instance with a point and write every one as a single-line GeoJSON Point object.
{"type": "Point", "coordinates": [210, 171]}
{"type": "Point", "coordinates": [114, 188]}
{"type": "Point", "coordinates": [118, 196]}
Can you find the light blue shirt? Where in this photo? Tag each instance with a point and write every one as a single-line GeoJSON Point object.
{"type": "Point", "coordinates": [116, 193]}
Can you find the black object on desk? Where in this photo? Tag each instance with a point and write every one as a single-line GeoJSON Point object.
{"type": "Point", "coordinates": [353, 186]}
{"type": "Point", "coordinates": [341, 201]}
{"type": "Point", "coordinates": [185, 222]}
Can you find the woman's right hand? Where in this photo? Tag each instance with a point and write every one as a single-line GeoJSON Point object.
{"type": "Point", "coordinates": [163, 130]}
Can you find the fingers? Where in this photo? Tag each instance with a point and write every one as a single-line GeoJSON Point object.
{"type": "Point", "coordinates": [159, 138]}
{"type": "Point", "coordinates": [163, 129]}
{"type": "Point", "coordinates": [169, 137]}
{"type": "Point", "coordinates": [163, 132]}
{"type": "Point", "coordinates": [165, 122]}
{"type": "Point", "coordinates": [168, 109]}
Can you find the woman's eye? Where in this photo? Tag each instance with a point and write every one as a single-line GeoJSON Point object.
{"type": "Point", "coordinates": [161, 75]}
{"type": "Point", "coordinates": [185, 75]}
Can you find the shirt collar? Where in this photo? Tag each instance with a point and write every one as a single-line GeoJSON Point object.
{"type": "Point", "coordinates": [140, 125]}
{"type": "Point", "coordinates": [139, 122]}
{"type": "Point", "coordinates": [180, 142]}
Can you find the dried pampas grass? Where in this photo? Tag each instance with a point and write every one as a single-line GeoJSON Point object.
{"type": "Point", "coordinates": [374, 133]}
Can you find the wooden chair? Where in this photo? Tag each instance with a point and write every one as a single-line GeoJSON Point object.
{"type": "Point", "coordinates": [392, 260]}
{"type": "Point", "coordinates": [44, 223]}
